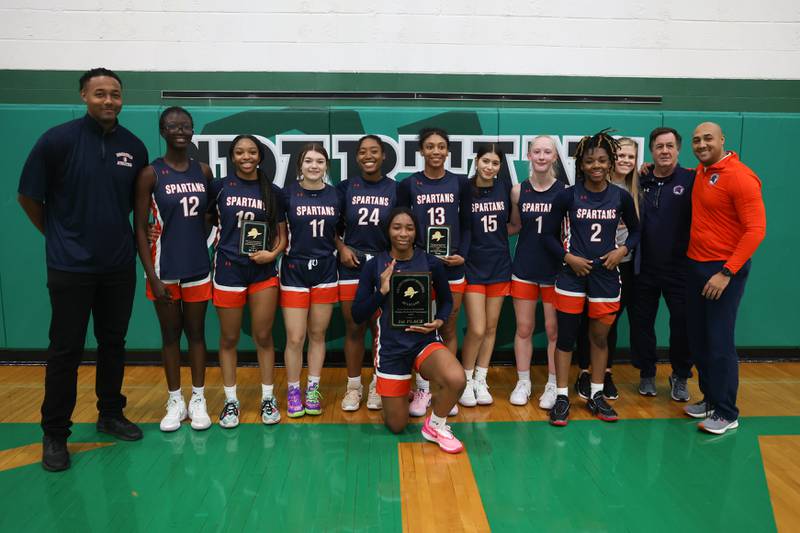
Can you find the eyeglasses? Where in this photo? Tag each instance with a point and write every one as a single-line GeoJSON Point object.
{"type": "Point", "coordinates": [174, 128]}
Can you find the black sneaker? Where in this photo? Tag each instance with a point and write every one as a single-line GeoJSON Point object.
{"type": "Point", "coordinates": [583, 384]}
{"type": "Point", "coordinates": [609, 389]}
{"type": "Point", "coordinates": [600, 408]}
{"type": "Point", "coordinates": [55, 456]}
{"type": "Point", "coordinates": [119, 426]}
{"type": "Point", "coordinates": [559, 414]}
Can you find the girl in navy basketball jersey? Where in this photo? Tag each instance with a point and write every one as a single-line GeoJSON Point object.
{"type": "Point", "coordinates": [438, 197]}
{"type": "Point", "coordinates": [246, 194]}
{"type": "Point", "coordinates": [174, 190]}
{"type": "Point", "coordinates": [366, 202]}
{"type": "Point", "coordinates": [534, 269]}
{"type": "Point", "coordinates": [398, 350]}
{"type": "Point", "coordinates": [488, 270]}
{"type": "Point", "coordinates": [309, 277]}
{"type": "Point", "coordinates": [594, 208]}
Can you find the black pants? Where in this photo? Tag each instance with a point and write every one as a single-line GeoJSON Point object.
{"type": "Point", "coordinates": [711, 328]}
{"type": "Point", "coordinates": [582, 350]}
{"type": "Point", "coordinates": [649, 289]}
{"type": "Point", "coordinates": [108, 298]}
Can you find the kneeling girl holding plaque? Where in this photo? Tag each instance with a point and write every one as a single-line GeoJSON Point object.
{"type": "Point", "coordinates": [252, 233]}
{"type": "Point", "coordinates": [400, 285]}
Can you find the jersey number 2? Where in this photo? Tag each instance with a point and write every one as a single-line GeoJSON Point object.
{"type": "Point", "coordinates": [367, 217]}
{"type": "Point", "coordinates": [596, 228]}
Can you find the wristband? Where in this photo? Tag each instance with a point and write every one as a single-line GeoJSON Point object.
{"type": "Point", "coordinates": [726, 272]}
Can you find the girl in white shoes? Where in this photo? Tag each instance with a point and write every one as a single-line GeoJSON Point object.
{"type": "Point", "coordinates": [534, 270]}
{"type": "Point", "coordinates": [174, 191]}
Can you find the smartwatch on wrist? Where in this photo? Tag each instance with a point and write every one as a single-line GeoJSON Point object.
{"type": "Point", "coordinates": [726, 272]}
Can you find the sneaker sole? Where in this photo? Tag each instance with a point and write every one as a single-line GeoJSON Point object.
{"type": "Point", "coordinates": [490, 402]}
{"type": "Point", "coordinates": [313, 412]}
{"type": "Point", "coordinates": [374, 407]}
{"type": "Point", "coordinates": [50, 468]}
{"type": "Point", "coordinates": [446, 450]}
{"type": "Point", "coordinates": [648, 394]}
{"type": "Point", "coordinates": [167, 429]}
{"type": "Point", "coordinates": [120, 436]}
{"type": "Point", "coordinates": [559, 423]}
{"type": "Point", "coordinates": [612, 398]}
{"type": "Point", "coordinates": [350, 409]}
{"type": "Point", "coordinates": [201, 427]}
{"type": "Point", "coordinates": [732, 425]}
{"type": "Point", "coordinates": [270, 422]}
{"type": "Point", "coordinates": [607, 418]}
{"type": "Point", "coordinates": [546, 406]}
{"type": "Point", "coordinates": [512, 402]}
{"type": "Point", "coordinates": [467, 404]}
{"type": "Point", "coordinates": [298, 414]}
{"type": "Point", "coordinates": [229, 427]}
{"type": "Point", "coordinates": [682, 400]}
{"type": "Point", "coordinates": [583, 396]}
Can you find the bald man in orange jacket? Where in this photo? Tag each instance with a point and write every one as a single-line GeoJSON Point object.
{"type": "Point", "coordinates": [728, 224]}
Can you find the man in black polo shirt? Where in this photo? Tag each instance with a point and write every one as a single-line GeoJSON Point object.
{"type": "Point", "coordinates": [77, 188]}
{"type": "Point", "coordinates": [661, 264]}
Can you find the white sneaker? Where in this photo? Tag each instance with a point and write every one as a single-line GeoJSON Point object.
{"type": "Point", "coordinates": [482, 392]}
{"type": "Point", "coordinates": [198, 412]}
{"type": "Point", "coordinates": [176, 413]}
{"type": "Point", "coordinates": [352, 399]}
{"type": "Point", "coordinates": [548, 398]}
{"type": "Point", "coordinates": [420, 403]}
{"type": "Point", "coordinates": [229, 417]}
{"type": "Point", "coordinates": [453, 411]}
{"type": "Point", "coordinates": [374, 399]}
{"type": "Point", "coordinates": [521, 393]}
{"type": "Point", "coordinates": [468, 396]}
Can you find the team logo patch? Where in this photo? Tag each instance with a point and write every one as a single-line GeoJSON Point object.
{"type": "Point", "coordinates": [713, 179]}
{"type": "Point", "coordinates": [678, 190]}
{"type": "Point", "coordinates": [124, 159]}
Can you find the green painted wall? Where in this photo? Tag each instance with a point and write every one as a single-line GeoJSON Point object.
{"type": "Point", "coordinates": [765, 141]}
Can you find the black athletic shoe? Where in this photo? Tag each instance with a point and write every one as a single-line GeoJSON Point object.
{"type": "Point", "coordinates": [55, 456]}
{"type": "Point", "coordinates": [559, 414]}
{"type": "Point", "coordinates": [583, 385]}
{"type": "Point", "coordinates": [119, 426]}
{"type": "Point", "coordinates": [609, 389]}
{"type": "Point", "coordinates": [600, 408]}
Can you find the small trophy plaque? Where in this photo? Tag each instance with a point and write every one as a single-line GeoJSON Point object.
{"type": "Point", "coordinates": [438, 241]}
{"type": "Point", "coordinates": [253, 238]}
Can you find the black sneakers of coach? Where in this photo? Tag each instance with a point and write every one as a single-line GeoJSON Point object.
{"type": "Point", "coordinates": [119, 427]}
{"type": "Point", "coordinates": [559, 414]}
{"type": "Point", "coordinates": [600, 408]}
{"type": "Point", "coordinates": [55, 456]}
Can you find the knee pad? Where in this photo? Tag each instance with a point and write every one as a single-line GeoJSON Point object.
{"type": "Point", "coordinates": [568, 325]}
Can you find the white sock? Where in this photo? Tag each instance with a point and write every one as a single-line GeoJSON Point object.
{"type": "Point", "coordinates": [354, 383]}
{"type": "Point", "coordinates": [230, 392]}
{"type": "Point", "coordinates": [524, 376]}
{"type": "Point", "coordinates": [312, 380]}
{"type": "Point", "coordinates": [480, 373]}
{"type": "Point", "coordinates": [562, 391]}
{"type": "Point", "coordinates": [198, 391]}
{"type": "Point", "coordinates": [293, 384]}
{"type": "Point", "coordinates": [423, 384]}
{"type": "Point", "coordinates": [176, 394]}
{"type": "Point", "coordinates": [266, 391]}
{"type": "Point", "coordinates": [551, 378]}
{"type": "Point", "coordinates": [438, 422]}
{"type": "Point", "coordinates": [469, 373]}
{"type": "Point", "coordinates": [596, 387]}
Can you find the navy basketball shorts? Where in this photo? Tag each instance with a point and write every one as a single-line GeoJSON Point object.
{"type": "Point", "coordinates": [233, 281]}
{"type": "Point", "coordinates": [393, 371]}
{"type": "Point", "coordinates": [305, 282]}
{"type": "Point", "coordinates": [601, 288]}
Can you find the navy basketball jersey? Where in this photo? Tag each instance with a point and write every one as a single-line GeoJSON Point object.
{"type": "Point", "coordinates": [437, 202]}
{"type": "Point", "coordinates": [532, 262]}
{"type": "Point", "coordinates": [397, 341]}
{"type": "Point", "coordinates": [593, 221]}
{"type": "Point", "coordinates": [489, 258]}
{"type": "Point", "coordinates": [236, 200]}
{"type": "Point", "coordinates": [366, 206]}
{"type": "Point", "coordinates": [312, 217]}
{"type": "Point", "coordinates": [178, 206]}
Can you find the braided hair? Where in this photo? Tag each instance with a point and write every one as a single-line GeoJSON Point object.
{"type": "Point", "coordinates": [601, 139]}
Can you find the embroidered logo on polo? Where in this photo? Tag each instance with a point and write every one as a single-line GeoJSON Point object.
{"type": "Point", "coordinates": [678, 190]}
{"type": "Point", "coordinates": [124, 159]}
{"type": "Point", "coordinates": [713, 179]}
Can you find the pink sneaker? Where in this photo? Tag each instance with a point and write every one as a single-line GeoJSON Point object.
{"type": "Point", "coordinates": [443, 437]}
{"type": "Point", "coordinates": [420, 403]}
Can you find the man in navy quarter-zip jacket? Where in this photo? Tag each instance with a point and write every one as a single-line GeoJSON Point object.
{"type": "Point", "coordinates": [77, 189]}
{"type": "Point", "coordinates": [661, 264]}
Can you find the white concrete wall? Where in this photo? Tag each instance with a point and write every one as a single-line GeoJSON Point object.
{"type": "Point", "coordinates": [674, 38]}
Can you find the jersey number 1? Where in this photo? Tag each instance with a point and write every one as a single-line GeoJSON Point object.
{"type": "Point", "coordinates": [317, 227]}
